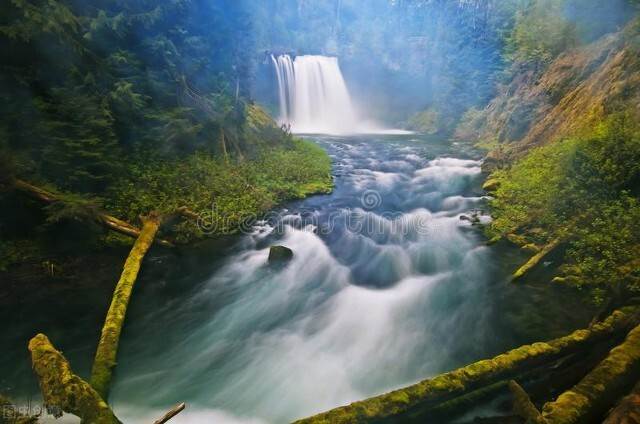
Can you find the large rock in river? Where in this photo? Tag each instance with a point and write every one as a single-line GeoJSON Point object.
{"type": "Point", "coordinates": [280, 254]}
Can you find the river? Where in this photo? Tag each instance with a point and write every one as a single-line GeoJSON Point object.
{"type": "Point", "coordinates": [387, 286]}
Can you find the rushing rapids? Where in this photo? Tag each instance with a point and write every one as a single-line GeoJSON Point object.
{"type": "Point", "coordinates": [387, 286]}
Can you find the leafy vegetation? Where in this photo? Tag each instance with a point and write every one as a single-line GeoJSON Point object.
{"type": "Point", "coordinates": [428, 121]}
{"type": "Point", "coordinates": [586, 190]}
{"type": "Point", "coordinates": [225, 193]}
{"type": "Point", "coordinates": [123, 106]}
{"type": "Point", "coordinates": [541, 32]}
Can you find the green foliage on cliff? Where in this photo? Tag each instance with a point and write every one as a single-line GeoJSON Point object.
{"type": "Point", "coordinates": [587, 188]}
{"type": "Point", "coordinates": [541, 32]}
{"type": "Point", "coordinates": [429, 121]}
{"type": "Point", "coordinates": [544, 29]}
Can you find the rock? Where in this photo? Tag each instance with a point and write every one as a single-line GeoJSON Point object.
{"type": "Point", "coordinates": [491, 185]}
{"type": "Point", "coordinates": [473, 219]}
{"type": "Point", "coordinates": [465, 218]}
{"type": "Point", "coordinates": [280, 254]}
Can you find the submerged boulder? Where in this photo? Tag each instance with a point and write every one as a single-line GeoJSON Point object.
{"type": "Point", "coordinates": [280, 254]}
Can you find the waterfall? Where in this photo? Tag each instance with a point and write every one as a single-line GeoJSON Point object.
{"type": "Point", "coordinates": [313, 95]}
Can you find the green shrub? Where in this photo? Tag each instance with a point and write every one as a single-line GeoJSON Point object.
{"type": "Point", "coordinates": [541, 32]}
{"type": "Point", "coordinates": [224, 193]}
{"type": "Point", "coordinates": [586, 188]}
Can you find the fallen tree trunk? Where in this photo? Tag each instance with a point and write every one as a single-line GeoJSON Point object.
{"type": "Point", "coordinates": [62, 390]}
{"type": "Point", "coordinates": [108, 221]}
{"type": "Point", "coordinates": [542, 381]}
{"type": "Point", "coordinates": [479, 374]}
{"type": "Point", "coordinates": [523, 406]}
{"type": "Point", "coordinates": [591, 397]}
{"type": "Point", "coordinates": [537, 258]}
{"type": "Point", "coordinates": [105, 359]}
{"type": "Point", "coordinates": [628, 409]}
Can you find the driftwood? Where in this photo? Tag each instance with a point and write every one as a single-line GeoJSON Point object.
{"type": "Point", "coordinates": [105, 359]}
{"type": "Point", "coordinates": [63, 391]}
{"type": "Point", "coordinates": [537, 258]}
{"type": "Point", "coordinates": [172, 413]}
{"type": "Point", "coordinates": [462, 381]}
{"type": "Point", "coordinates": [107, 221]}
{"type": "Point", "coordinates": [628, 409]}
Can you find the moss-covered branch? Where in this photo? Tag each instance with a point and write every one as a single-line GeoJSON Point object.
{"type": "Point", "coordinates": [479, 374]}
{"type": "Point", "coordinates": [523, 406]}
{"type": "Point", "coordinates": [537, 258]}
{"type": "Point", "coordinates": [105, 359]}
{"type": "Point", "coordinates": [62, 389]}
{"type": "Point", "coordinates": [591, 397]}
{"type": "Point", "coordinates": [107, 221]}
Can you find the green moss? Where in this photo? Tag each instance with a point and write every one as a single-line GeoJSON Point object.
{"type": "Point", "coordinates": [62, 390]}
{"type": "Point", "coordinates": [491, 184]}
{"type": "Point", "coordinates": [583, 190]}
{"type": "Point", "coordinates": [594, 394]}
{"type": "Point", "coordinates": [105, 359]}
{"type": "Point", "coordinates": [224, 193]}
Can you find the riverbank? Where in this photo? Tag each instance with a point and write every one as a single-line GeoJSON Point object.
{"type": "Point", "coordinates": [46, 264]}
{"type": "Point", "coordinates": [223, 194]}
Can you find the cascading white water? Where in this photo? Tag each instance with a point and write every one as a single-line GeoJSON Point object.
{"type": "Point", "coordinates": [387, 286]}
{"type": "Point", "coordinates": [313, 95]}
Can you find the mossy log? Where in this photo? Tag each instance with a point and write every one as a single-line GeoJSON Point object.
{"type": "Point", "coordinates": [63, 391]}
{"type": "Point", "coordinates": [590, 398]}
{"type": "Point", "coordinates": [628, 409]}
{"type": "Point", "coordinates": [480, 374]}
{"type": "Point", "coordinates": [522, 405]}
{"type": "Point", "coordinates": [537, 258]}
{"type": "Point", "coordinates": [457, 406]}
{"type": "Point", "coordinates": [105, 359]}
{"type": "Point", "coordinates": [108, 221]}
